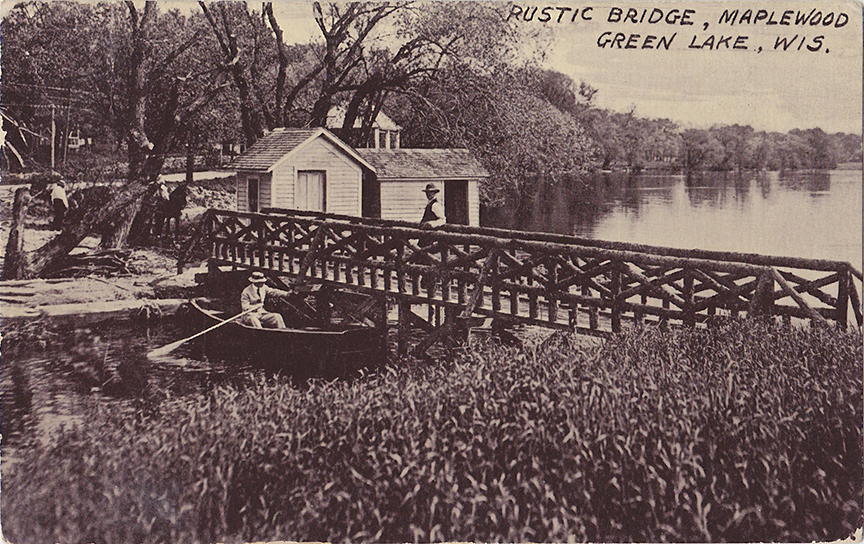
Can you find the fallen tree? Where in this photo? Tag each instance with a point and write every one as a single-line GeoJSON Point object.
{"type": "Point", "coordinates": [150, 103]}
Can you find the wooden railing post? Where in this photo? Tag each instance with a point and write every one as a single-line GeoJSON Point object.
{"type": "Point", "coordinates": [763, 296]}
{"type": "Point", "coordinates": [532, 295]}
{"type": "Point", "coordinates": [615, 292]}
{"type": "Point", "coordinates": [400, 268]}
{"type": "Point", "coordinates": [552, 294]}
{"type": "Point", "coordinates": [855, 301]}
{"type": "Point", "coordinates": [209, 230]}
{"type": "Point", "coordinates": [843, 297]}
{"type": "Point", "coordinates": [262, 240]}
{"type": "Point", "coordinates": [496, 286]}
{"type": "Point", "coordinates": [404, 329]}
{"type": "Point", "coordinates": [382, 322]}
{"type": "Point", "coordinates": [593, 311]}
{"type": "Point", "coordinates": [445, 274]}
{"type": "Point", "coordinates": [689, 314]}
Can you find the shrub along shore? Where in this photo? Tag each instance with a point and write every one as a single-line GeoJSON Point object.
{"type": "Point", "coordinates": [749, 432]}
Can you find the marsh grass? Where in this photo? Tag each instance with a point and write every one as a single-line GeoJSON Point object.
{"type": "Point", "coordinates": [744, 433]}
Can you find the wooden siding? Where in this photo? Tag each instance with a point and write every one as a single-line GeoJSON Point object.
{"type": "Point", "coordinates": [405, 200]}
{"type": "Point", "coordinates": [242, 205]}
{"type": "Point", "coordinates": [343, 176]}
{"type": "Point", "coordinates": [283, 186]}
{"type": "Point", "coordinates": [474, 203]}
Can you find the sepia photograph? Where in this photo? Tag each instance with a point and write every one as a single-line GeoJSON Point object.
{"type": "Point", "coordinates": [431, 271]}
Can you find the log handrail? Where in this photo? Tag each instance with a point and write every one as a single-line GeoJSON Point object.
{"type": "Point", "coordinates": [745, 258]}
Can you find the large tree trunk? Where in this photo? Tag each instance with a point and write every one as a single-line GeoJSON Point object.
{"type": "Point", "coordinates": [15, 260]}
{"type": "Point", "coordinates": [116, 232]}
{"type": "Point", "coordinates": [42, 260]}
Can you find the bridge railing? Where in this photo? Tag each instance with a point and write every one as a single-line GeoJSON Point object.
{"type": "Point", "coordinates": [551, 280]}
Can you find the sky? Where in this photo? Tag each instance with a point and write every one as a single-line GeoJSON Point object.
{"type": "Point", "coordinates": [770, 89]}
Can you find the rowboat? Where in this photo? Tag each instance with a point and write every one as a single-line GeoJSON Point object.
{"type": "Point", "coordinates": [339, 350]}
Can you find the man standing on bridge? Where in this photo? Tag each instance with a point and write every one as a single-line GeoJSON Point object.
{"type": "Point", "coordinates": [433, 216]}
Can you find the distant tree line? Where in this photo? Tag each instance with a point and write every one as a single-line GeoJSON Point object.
{"type": "Point", "coordinates": [742, 148]}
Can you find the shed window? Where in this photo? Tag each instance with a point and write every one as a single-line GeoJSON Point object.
{"type": "Point", "coordinates": [311, 191]}
{"type": "Point", "coordinates": [252, 192]}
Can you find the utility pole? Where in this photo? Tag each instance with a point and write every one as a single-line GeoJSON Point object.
{"type": "Point", "coordinates": [66, 130]}
{"type": "Point", "coordinates": [53, 136]}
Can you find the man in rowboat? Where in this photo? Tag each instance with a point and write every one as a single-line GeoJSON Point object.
{"type": "Point", "coordinates": [254, 295]}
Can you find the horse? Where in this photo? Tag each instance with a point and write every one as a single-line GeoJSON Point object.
{"type": "Point", "coordinates": [172, 209]}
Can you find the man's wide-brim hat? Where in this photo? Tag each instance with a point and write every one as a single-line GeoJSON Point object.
{"type": "Point", "coordinates": [430, 188]}
{"type": "Point", "coordinates": [257, 277]}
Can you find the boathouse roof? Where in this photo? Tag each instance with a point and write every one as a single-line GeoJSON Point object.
{"type": "Point", "coordinates": [417, 164]}
{"type": "Point", "coordinates": [278, 145]}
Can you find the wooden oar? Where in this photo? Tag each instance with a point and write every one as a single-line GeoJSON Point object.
{"type": "Point", "coordinates": [168, 348]}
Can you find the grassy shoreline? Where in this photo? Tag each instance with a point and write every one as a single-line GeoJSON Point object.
{"type": "Point", "coordinates": [749, 432]}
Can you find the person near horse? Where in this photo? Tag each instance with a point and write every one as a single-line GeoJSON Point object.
{"type": "Point", "coordinates": [433, 216]}
{"type": "Point", "coordinates": [173, 208]}
{"type": "Point", "coordinates": [160, 205]}
{"type": "Point", "coordinates": [61, 203]}
{"type": "Point", "coordinates": [254, 295]}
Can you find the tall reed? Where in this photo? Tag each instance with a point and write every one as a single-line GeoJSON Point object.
{"type": "Point", "coordinates": [749, 432]}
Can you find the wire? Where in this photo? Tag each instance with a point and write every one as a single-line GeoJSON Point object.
{"type": "Point", "coordinates": [49, 88]}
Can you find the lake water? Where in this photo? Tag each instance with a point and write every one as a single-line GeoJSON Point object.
{"type": "Point", "coordinates": [52, 372]}
{"type": "Point", "coordinates": [798, 214]}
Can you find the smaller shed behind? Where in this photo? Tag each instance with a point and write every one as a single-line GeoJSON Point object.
{"type": "Point", "coordinates": [404, 173]}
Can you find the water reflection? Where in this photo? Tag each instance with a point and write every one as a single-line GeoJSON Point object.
{"type": "Point", "coordinates": [801, 214]}
{"type": "Point", "coordinates": [818, 183]}
{"type": "Point", "coordinates": [51, 373]}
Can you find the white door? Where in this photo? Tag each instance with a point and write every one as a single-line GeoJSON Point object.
{"type": "Point", "coordinates": [310, 191]}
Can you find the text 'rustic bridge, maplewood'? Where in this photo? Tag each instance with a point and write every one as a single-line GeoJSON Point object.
{"type": "Point", "coordinates": [555, 281]}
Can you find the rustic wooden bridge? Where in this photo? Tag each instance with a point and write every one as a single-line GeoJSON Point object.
{"type": "Point", "coordinates": [554, 281]}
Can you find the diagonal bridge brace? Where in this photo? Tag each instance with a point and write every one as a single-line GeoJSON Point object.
{"type": "Point", "coordinates": [470, 306]}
